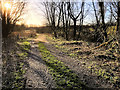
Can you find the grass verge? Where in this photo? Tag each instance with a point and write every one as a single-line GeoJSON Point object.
{"type": "Point", "coordinates": [64, 77]}
{"type": "Point", "coordinates": [19, 79]}
{"type": "Point", "coordinates": [13, 67]}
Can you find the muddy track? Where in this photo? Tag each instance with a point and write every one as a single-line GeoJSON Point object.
{"type": "Point", "coordinates": [37, 71]}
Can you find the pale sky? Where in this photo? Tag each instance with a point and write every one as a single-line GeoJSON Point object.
{"type": "Point", "coordinates": [34, 14]}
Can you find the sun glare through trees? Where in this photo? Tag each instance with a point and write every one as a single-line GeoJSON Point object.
{"type": "Point", "coordinates": [60, 44]}
{"type": "Point", "coordinates": [7, 5]}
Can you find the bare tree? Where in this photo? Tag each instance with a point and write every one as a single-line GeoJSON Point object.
{"type": "Point", "coordinates": [63, 16]}
{"type": "Point", "coordinates": [81, 18]}
{"type": "Point", "coordinates": [59, 14]}
{"type": "Point", "coordinates": [96, 15]}
{"type": "Point", "coordinates": [66, 19]}
{"type": "Point", "coordinates": [50, 13]}
{"type": "Point", "coordinates": [114, 9]}
{"type": "Point", "coordinates": [100, 28]}
{"type": "Point", "coordinates": [98, 34]}
{"type": "Point", "coordinates": [74, 17]}
{"type": "Point", "coordinates": [118, 18]}
{"type": "Point", "coordinates": [115, 14]}
{"type": "Point", "coordinates": [10, 16]}
{"type": "Point", "coordinates": [101, 5]}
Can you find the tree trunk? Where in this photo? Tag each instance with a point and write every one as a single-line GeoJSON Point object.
{"type": "Point", "coordinates": [55, 34]}
{"type": "Point", "coordinates": [63, 19]}
{"type": "Point", "coordinates": [95, 14]}
{"type": "Point", "coordinates": [101, 4]}
{"type": "Point", "coordinates": [74, 33]}
{"type": "Point", "coordinates": [54, 29]}
{"type": "Point", "coordinates": [81, 19]}
{"type": "Point", "coordinates": [118, 21]}
{"type": "Point", "coordinates": [66, 30]}
{"type": "Point", "coordinates": [118, 18]}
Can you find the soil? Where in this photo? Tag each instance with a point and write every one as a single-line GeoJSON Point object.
{"type": "Point", "coordinates": [37, 72]}
{"type": "Point", "coordinates": [79, 68]}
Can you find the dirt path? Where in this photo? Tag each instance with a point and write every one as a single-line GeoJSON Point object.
{"type": "Point", "coordinates": [37, 72]}
{"type": "Point", "coordinates": [39, 77]}
{"type": "Point", "coordinates": [42, 38]}
{"type": "Point", "coordinates": [79, 68]}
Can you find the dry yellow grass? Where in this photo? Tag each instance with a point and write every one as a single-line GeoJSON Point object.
{"type": "Point", "coordinates": [23, 34]}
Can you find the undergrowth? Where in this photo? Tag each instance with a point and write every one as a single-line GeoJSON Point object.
{"type": "Point", "coordinates": [108, 68]}
{"type": "Point", "coordinates": [14, 76]}
{"type": "Point", "coordinates": [19, 73]}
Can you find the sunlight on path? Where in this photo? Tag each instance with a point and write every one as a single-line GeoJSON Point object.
{"type": "Point", "coordinates": [42, 38]}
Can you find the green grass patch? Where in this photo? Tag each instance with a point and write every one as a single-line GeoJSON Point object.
{"type": "Point", "coordinates": [73, 55]}
{"type": "Point", "coordinates": [22, 55]}
{"type": "Point", "coordinates": [18, 76]}
{"type": "Point", "coordinates": [64, 77]}
{"type": "Point", "coordinates": [106, 74]}
{"type": "Point", "coordinates": [26, 45]}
